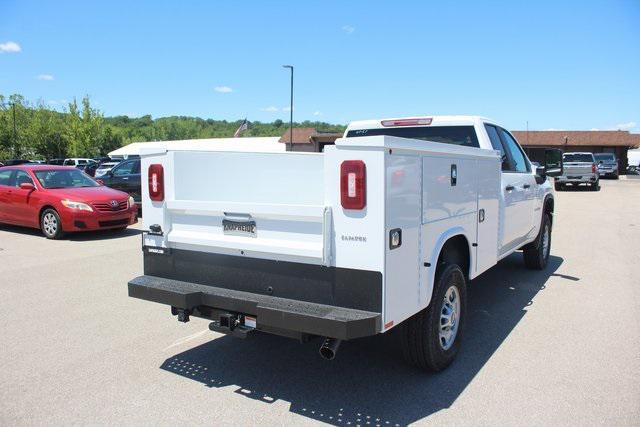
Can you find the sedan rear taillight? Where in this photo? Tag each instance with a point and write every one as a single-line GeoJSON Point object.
{"type": "Point", "coordinates": [156, 183]}
{"type": "Point", "coordinates": [593, 168]}
{"type": "Point", "coordinates": [353, 185]}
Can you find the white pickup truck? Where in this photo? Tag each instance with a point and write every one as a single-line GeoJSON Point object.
{"type": "Point", "coordinates": [382, 230]}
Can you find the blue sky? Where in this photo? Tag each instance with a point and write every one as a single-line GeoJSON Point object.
{"type": "Point", "coordinates": [557, 65]}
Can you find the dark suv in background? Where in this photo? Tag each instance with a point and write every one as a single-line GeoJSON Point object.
{"type": "Point", "coordinates": [125, 176]}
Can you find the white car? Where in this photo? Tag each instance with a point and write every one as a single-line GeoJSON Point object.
{"type": "Point", "coordinates": [77, 162]}
{"type": "Point", "coordinates": [384, 229]}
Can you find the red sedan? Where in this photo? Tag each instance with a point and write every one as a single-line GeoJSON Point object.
{"type": "Point", "coordinates": [58, 199]}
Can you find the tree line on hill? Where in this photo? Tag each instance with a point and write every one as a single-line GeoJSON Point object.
{"type": "Point", "coordinates": [36, 131]}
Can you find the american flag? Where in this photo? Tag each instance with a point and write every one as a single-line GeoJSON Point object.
{"type": "Point", "coordinates": [244, 126]}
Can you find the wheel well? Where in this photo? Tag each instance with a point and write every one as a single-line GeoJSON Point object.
{"type": "Point", "coordinates": [456, 251]}
{"type": "Point", "coordinates": [44, 208]}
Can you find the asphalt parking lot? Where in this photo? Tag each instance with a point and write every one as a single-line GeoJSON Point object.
{"type": "Point", "coordinates": [556, 347]}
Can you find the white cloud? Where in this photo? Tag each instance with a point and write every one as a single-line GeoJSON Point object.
{"type": "Point", "coordinates": [10, 47]}
{"type": "Point", "coordinates": [286, 109]}
{"type": "Point", "coordinates": [271, 109]}
{"type": "Point", "coordinates": [47, 77]}
{"type": "Point", "coordinates": [625, 126]}
{"type": "Point", "coordinates": [348, 29]}
{"type": "Point", "coordinates": [317, 113]}
{"type": "Point", "coordinates": [223, 89]}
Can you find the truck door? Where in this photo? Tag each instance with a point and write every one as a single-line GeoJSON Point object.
{"type": "Point", "coordinates": [525, 184]}
{"type": "Point", "coordinates": [516, 192]}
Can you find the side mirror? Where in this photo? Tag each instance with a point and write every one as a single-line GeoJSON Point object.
{"type": "Point", "coordinates": [27, 186]}
{"type": "Point", "coordinates": [541, 175]}
{"type": "Point", "coordinates": [553, 162]}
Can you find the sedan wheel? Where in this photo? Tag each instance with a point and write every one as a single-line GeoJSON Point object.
{"type": "Point", "coordinates": [51, 225]}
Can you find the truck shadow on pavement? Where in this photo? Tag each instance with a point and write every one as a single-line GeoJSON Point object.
{"type": "Point", "coordinates": [368, 383]}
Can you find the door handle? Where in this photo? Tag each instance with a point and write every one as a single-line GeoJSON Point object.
{"type": "Point", "coordinates": [125, 178]}
{"type": "Point", "coordinates": [509, 187]}
{"type": "Point", "coordinates": [526, 186]}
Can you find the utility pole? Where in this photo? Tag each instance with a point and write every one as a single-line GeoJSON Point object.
{"type": "Point", "coordinates": [290, 110]}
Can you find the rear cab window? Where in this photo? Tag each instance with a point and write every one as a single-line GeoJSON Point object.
{"type": "Point", "coordinates": [456, 135]}
{"type": "Point", "coordinates": [578, 157]}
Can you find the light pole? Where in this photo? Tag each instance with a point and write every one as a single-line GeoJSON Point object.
{"type": "Point", "coordinates": [290, 110]}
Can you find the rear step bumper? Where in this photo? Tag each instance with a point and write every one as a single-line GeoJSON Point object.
{"type": "Point", "coordinates": [272, 312]}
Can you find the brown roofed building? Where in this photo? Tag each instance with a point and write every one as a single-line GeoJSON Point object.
{"type": "Point", "coordinates": [597, 141]}
{"type": "Point", "coordinates": [309, 139]}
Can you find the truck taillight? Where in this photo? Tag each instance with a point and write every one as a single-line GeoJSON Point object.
{"type": "Point", "coordinates": [156, 182]}
{"type": "Point", "coordinates": [353, 185]}
{"type": "Point", "coordinates": [593, 168]}
{"type": "Point", "coordinates": [407, 122]}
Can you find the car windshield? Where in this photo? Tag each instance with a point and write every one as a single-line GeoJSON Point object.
{"type": "Point", "coordinates": [578, 157]}
{"type": "Point", "coordinates": [63, 178]}
{"type": "Point", "coordinates": [607, 158]}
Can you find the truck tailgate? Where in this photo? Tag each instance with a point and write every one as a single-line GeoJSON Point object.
{"type": "Point", "coordinates": [268, 205]}
{"type": "Point", "coordinates": [577, 169]}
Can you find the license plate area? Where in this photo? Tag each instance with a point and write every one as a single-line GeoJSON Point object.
{"type": "Point", "coordinates": [239, 228]}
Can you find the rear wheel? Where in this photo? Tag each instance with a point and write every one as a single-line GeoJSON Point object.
{"type": "Point", "coordinates": [431, 338]}
{"type": "Point", "coordinates": [558, 186]}
{"type": "Point", "coordinates": [50, 224]}
{"type": "Point", "coordinates": [595, 186]}
{"type": "Point", "coordinates": [536, 253]}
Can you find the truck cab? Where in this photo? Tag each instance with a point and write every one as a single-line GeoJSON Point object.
{"type": "Point", "coordinates": [383, 230]}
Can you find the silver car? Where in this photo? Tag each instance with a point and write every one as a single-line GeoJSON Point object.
{"type": "Point", "coordinates": [607, 165]}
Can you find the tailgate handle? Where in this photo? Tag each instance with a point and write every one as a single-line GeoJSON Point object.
{"type": "Point", "coordinates": [509, 187]}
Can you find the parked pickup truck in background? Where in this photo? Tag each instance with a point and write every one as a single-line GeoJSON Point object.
{"type": "Point", "coordinates": [579, 168]}
{"type": "Point", "coordinates": [607, 165]}
{"type": "Point", "coordinates": [383, 230]}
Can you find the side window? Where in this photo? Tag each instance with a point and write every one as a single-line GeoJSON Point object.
{"type": "Point", "coordinates": [125, 168]}
{"type": "Point", "coordinates": [5, 177]}
{"type": "Point", "coordinates": [21, 178]}
{"type": "Point", "coordinates": [136, 168]}
{"type": "Point", "coordinates": [497, 145]}
{"type": "Point", "coordinates": [518, 158]}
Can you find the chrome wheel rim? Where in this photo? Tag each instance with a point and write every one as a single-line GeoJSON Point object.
{"type": "Point", "coordinates": [449, 318]}
{"type": "Point", "coordinates": [546, 237]}
{"type": "Point", "coordinates": [50, 224]}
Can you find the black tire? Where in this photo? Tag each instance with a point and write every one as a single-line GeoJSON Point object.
{"type": "Point", "coordinates": [536, 253]}
{"type": "Point", "coordinates": [558, 186]}
{"type": "Point", "coordinates": [420, 334]}
{"type": "Point", "coordinates": [596, 186]}
{"type": "Point", "coordinates": [50, 224]}
{"type": "Point", "coordinates": [616, 176]}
